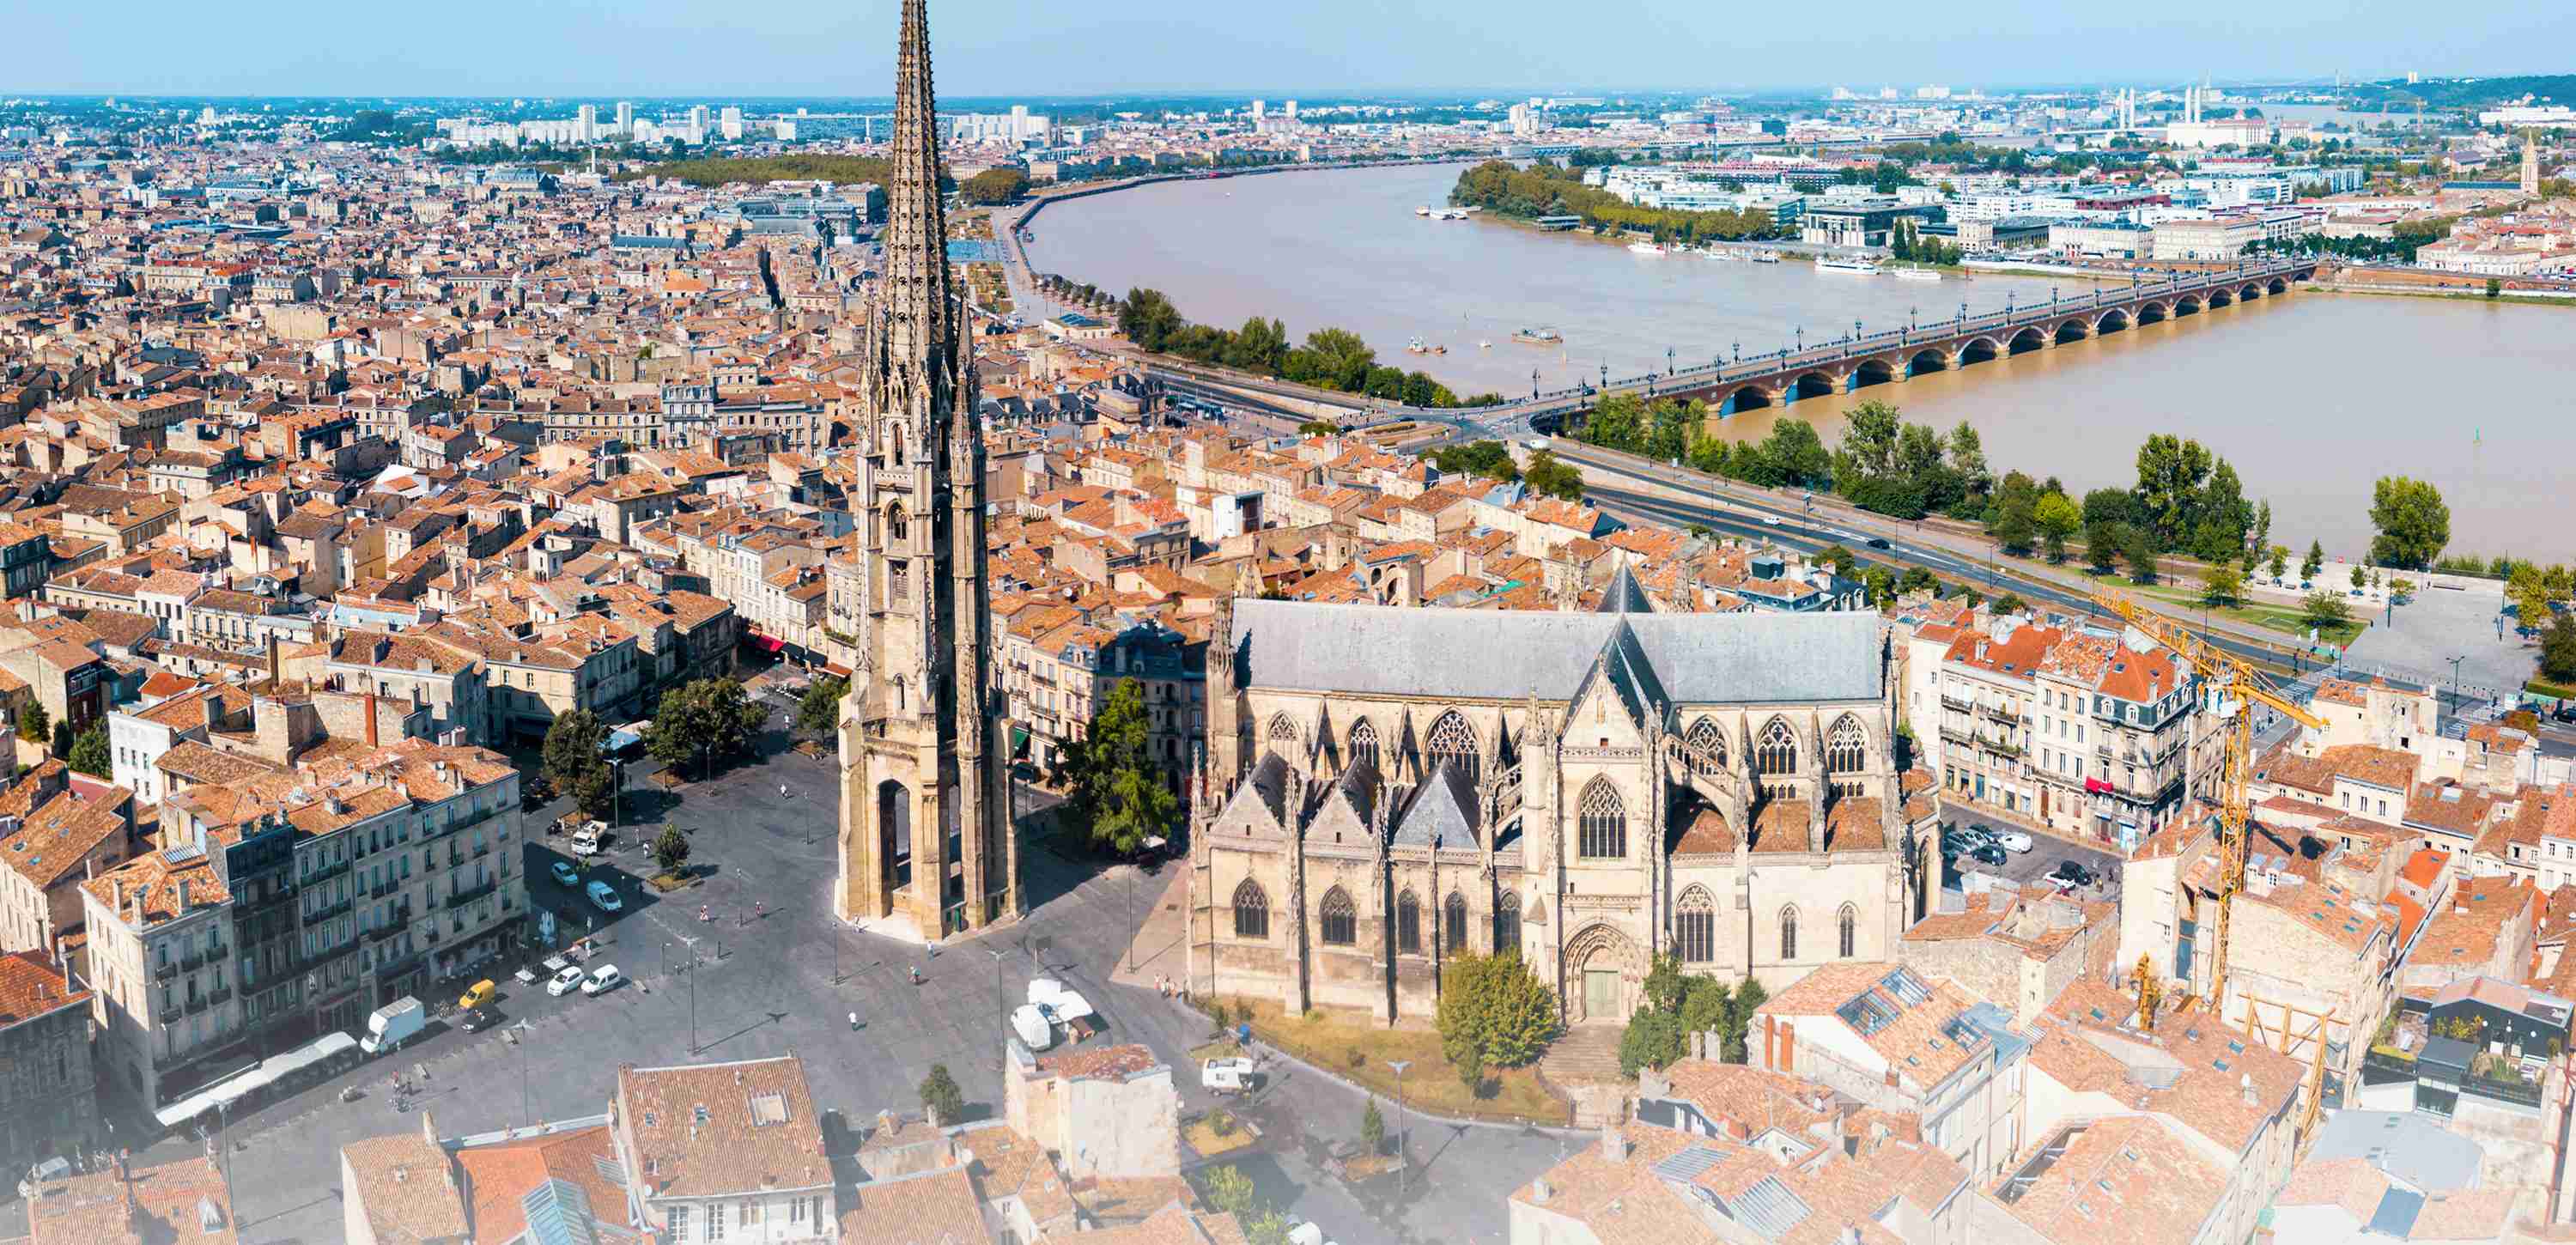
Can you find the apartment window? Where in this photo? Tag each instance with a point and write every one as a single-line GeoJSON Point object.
{"type": "Point", "coordinates": [748, 1214]}
{"type": "Point", "coordinates": [679, 1223]}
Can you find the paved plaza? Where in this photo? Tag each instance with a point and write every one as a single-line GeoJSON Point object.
{"type": "Point", "coordinates": [774, 974]}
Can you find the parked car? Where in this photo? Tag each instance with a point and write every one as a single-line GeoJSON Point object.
{"type": "Point", "coordinates": [602, 980]}
{"type": "Point", "coordinates": [2566, 713]}
{"type": "Point", "coordinates": [565, 873]}
{"type": "Point", "coordinates": [1987, 854]}
{"type": "Point", "coordinates": [1771, 520]}
{"type": "Point", "coordinates": [1878, 542]}
{"type": "Point", "coordinates": [2070, 873]}
{"type": "Point", "coordinates": [1227, 1076]}
{"type": "Point", "coordinates": [564, 981]}
{"type": "Point", "coordinates": [478, 994]}
{"type": "Point", "coordinates": [604, 896]}
{"type": "Point", "coordinates": [481, 1018]}
{"type": "Point", "coordinates": [2013, 841]}
{"type": "Point", "coordinates": [587, 840]}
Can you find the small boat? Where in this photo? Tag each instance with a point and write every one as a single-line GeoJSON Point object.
{"type": "Point", "coordinates": [1484, 345]}
{"type": "Point", "coordinates": [1917, 274]}
{"type": "Point", "coordinates": [1859, 267]}
{"type": "Point", "coordinates": [1538, 337]}
{"type": "Point", "coordinates": [1416, 346]}
{"type": "Point", "coordinates": [1765, 257]}
{"type": "Point", "coordinates": [1645, 248]}
{"type": "Point", "coordinates": [1422, 211]}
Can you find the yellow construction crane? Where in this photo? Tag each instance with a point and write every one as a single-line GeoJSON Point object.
{"type": "Point", "coordinates": [2240, 687]}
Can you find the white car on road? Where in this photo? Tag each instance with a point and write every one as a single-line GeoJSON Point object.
{"type": "Point", "coordinates": [602, 980]}
{"type": "Point", "coordinates": [2012, 841]}
{"type": "Point", "coordinates": [564, 982]}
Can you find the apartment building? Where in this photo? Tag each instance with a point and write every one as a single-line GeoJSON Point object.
{"type": "Point", "coordinates": [57, 828]}
{"type": "Point", "coordinates": [1987, 702]}
{"type": "Point", "coordinates": [48, 1101]}
{"type": "Point", "coordinates": [729, 1152]}
{"type": "Point", "coordinates": [2113, 729]}
{"type": "Point", "coordinates": [1896, 1041]}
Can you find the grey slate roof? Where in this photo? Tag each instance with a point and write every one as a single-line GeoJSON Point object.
{"type": "Point", "coordinates": [2414, 1148]}
{"type": "Point", "coordinates": [1517, 654]}
{"type": "Point", "coordinates": [1443, 813]}
{"type": "Point", "coordinates": [1623, 596]}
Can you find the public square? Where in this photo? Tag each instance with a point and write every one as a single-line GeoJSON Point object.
{"type": "Point", "coordinates": [774, 974]}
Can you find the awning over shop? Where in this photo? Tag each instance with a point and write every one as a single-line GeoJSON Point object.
{"type": "Point", "coordinates": [766, 644]}
{"type": "Point", "coordinates": [240, 1085]}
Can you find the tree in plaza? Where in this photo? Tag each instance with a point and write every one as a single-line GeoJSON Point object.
{"type": "Point", "coordinates": [2412, 521]}
{"type": "Point", "coordinates": [2401, 589]}
{"type": "Point", "coordinates": [820, 710]}
{"type": "Point", "coordinates": [2359, 577]}
{"type": "Point", "coordinates": [2316, 561]}
{"type": "Point", "coordinates": [2280, 561]}
{"type": "Point", "coordinates": [1493, 1009]}
{"type": "Point", "coordinates": [1666, 984]}
{"type": "Point", "coordinates": [572, 764]}
{"type": "Point", "coordinates": [2058, 517]}
{"type": "Point", "coordinates": [2141, 555]}
{"type": "Point", "coordinates": [2558, 650]}
{"type": "Point", "coordinates": [34, 725]}
{"type": "Point", "coordinates": [90, 754]}
{"type": "Point", "coordinates": [2223, 585]}
{"type": "Point", "coordinates": [707, 720]}
{"type": "Point", "coordinates": [1653, 1039]}
{"type": "Point", "coordinates": [1118, 792]}
{"type": "Point", "coordinates": [940, 1096]}
{"type": "Point", "coordinates": [670, 848]}
{"type": "Point", "coordinates": [1372, 1127]}
{"type": "Point", "coordinates": [2325, 610]}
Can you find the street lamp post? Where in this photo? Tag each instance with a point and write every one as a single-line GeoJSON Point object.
{"type": "Point", "coordinates": [1668, 360]}
{"type": "Point", "coordinates": [519, 1038]}
{"type": "Point", "coordinates": [2455, 682]}
{"type": "Point", "coordinates": [1403, 1163]}
{"type": "Point", "coordinates": [692, 971]}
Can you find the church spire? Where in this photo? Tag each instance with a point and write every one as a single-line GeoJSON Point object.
{"type": "Point", "coordinates": [920, 330]}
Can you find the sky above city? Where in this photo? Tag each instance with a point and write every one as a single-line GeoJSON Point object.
{"type": "Point", "coordinates": [1072, 47]}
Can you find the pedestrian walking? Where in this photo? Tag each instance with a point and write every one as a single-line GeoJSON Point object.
{"type": "Point", "coordinates": [854, 1022]}
{"type": "Point", "coordinates": [782, 791]}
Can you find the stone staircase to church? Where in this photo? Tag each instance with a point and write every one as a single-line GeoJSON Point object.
{"type": "Point", "coordinates": [1585, 1055]}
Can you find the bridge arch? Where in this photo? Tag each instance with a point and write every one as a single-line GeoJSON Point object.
{"type": "Point", "coordinates": [2112, 320]}
{"type": "Point", "coordinates": [2221, 298]}
{"type": "Point", "coordinates": [2187, 305]}
{"type": "Point", "coordinates": [2153, 313]}
{"type": "Point", "coordinates": [2030, 338]}
{"type": "Point", "coordinates": [2250, 292]}
{"type": "Point", "coordinates": [1979, 350]}
{"type": "Point", "coordinates": [1872, 371]}
{"type": "Point", "coordinates": [1746, 398]}
{"type": "Point", "coordinates": [2074, 330]}
{"type": "Point", "coordinates": [2278, 285]}
{"type": "Point", "coordinates": [1927, 361]}
{"type": "Point", "coordinates": [1812, 385]}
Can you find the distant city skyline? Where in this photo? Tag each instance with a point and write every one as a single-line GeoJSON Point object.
{"type": "Point", "coordinates": [1026, 49]}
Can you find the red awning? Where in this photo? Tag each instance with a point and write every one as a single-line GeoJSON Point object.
{"type": "Point", "coordinates": [764, 643]}
{"type": "Point", "coordinates": [837, 670]}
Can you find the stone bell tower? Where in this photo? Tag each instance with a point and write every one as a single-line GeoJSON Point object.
{"type": "Point", "coordinates": [926, 843]}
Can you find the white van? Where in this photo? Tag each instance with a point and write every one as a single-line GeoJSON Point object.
{"type": "Point", "coordinates": [602, 980]}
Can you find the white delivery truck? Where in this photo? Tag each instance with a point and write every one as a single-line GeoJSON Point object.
{"type": "Point", "coordinates": [393, 1024]}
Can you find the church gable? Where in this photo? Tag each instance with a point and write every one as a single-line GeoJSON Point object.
{"type": "Point", "coordinates": [1259, 806]}
{"type": "Point", "coordinates": [1443, 814]}
{"type": "Point", "coordinates": [1345, 815]}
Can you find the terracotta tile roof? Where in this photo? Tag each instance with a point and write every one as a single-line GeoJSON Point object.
{"type": "Point", "coordinates": [722, 1128]}
{"type": "Point", "coordinates": [2126, 1178]}
{"type": "Point", "coordinates": [501, 1177]}
{"type": "Point", "coordinates": [407, 1187]}
{"type": "Point", "coordinates": [933, 1208]}
{"type": "Point", "coordinates": [31, 987]}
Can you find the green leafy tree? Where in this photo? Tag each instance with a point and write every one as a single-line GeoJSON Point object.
{"type": "Point", "coordinates": [1968, 459]}
{"type": "Point", "coordinates": [596, 794]}
{"type": "Point", "coordinates": [90, 754]}
{"type": "Point", "coordinates": [2529, 595]}
{"type": "Point", "coordinates": [941, 1097]}
{"type": "Point", "coordinates": [1148, 318]}
{"type": "Point", "coordinates": [2224, 585]}
{"type": "Point", "coordinates": [2010, 603]}
{"type": "Point", "coordinates": [1796, 455]}
{"type": "Point", "coordinates": [2171, 471]}
{"type": "Point", "coordinates": [2495, 288]}
{"type": "Point", "coordinates": [708, 720]}
{"type": "Point", "coordinates": [2015, 522]}
{"type": "Point", "coordinates": [2058, 517]}
{"type": "Point", "coordinates": [1372, 1127]}
{"type": "Point", "coordinates": [1118, 792]}
{"type": "Point", "coordinates": [34, 724]}
{"type": "Point", "coordinates": [2412, 521]}
{"type": "Point", "coordinates": [2558, 650]}
{"type": "Point", "coordinates": [2359, 577]}
{"type": "Point", "coordinates": [1000, 184]}
{"type": "Point", "coordinates": [2103, 542]}
{"type": "Point", "coordinates": [63, 740]}
{"type": "Point", "coordinates": [1548, 477]}
{"type": "Point", "coordinates": [1878, 587]}
{"type": "Point", "coordinates": [1493, 1009]}
{"type": "Point", "coordinates": [1653, 1039]}
{"type": "Point", "coordinates": [1839, 558]}
{"type": "Point", "coordinates": [670, 848]}
{"type": "Point", "coordinates": [2280, 564]}
{"type": "Point", "coordinates": [819, 712]}
{"type": "Point", "coordinates": [1749, 998]}
{"type": "Point", "coordinates": [1916, 579]}
{"type": "Point", "coordinates": [2325, 610]}
{"type": "Point", "coordinates": [571, 750]}
{"type": "Point", "coordinates": [2141, 556]}
{"type": "Point", "coordinates": [2315, 561]}
{"type": "Point", "coordinates": [1666, 984]}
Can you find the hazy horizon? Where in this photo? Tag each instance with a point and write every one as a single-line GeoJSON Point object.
{"type": "Point", "coordinates": [1119, 48]}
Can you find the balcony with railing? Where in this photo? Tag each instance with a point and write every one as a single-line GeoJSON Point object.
{"type": "Point", "coordinates": [470, 894]}
{"type": "Point", "coordinates": [2000, 713]}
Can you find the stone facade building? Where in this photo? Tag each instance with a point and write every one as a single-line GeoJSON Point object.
{"type": "Point", "coordinates": [1388, 787]}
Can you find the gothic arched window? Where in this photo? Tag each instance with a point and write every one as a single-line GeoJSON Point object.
{"type": "Point", "coordinates": [1788, 934]}
{"type": "Point", "coordinates": [1364, 743]}
{"type": "Point", "coordinates": [1695, 926]}
{"type": "Point", "coordinates": [1408, 924]}
{"type": "Point", "coordinates": [898, 528]}
{"type": "Point", "coordinates": [1847, 929]}
{"type": "Point", "coordinates": [1454, 741]}
{"type": "Point", "coordinates": [1340, 924]}
{"type": "Point", "coordinates": [1507, 925]}
{"type": "Point", "coordinates": [1777, 751]}
{"type": "Point", "coordinates": [1283, 729]}
{"type": "Point", "coordinates": [1847, 748]}
{"type": "Point", "coordinates": [1251, 910]}
{"type": "Point", "coordinates": [1602, 824]}
{"type": "Point", "coordinates": [1453, 923]}
{"type": "Point", "coordinates": [1707, 743]}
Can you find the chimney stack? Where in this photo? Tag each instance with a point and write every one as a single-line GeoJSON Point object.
{"type": "Point", "coordinates": [1614, 1143]}
{"type": "Point", "coordinates": [1541, 1191]}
